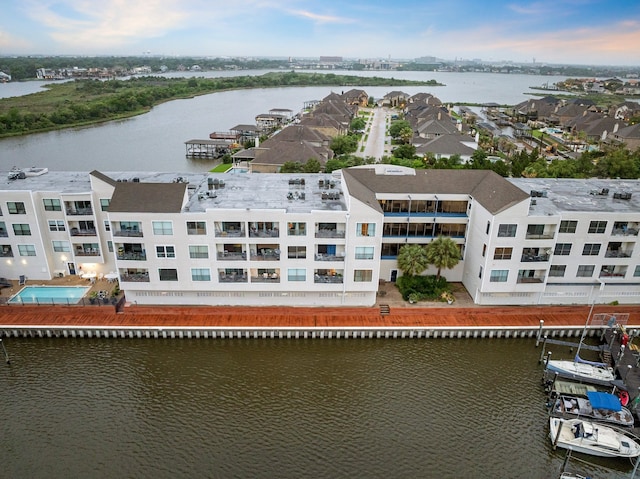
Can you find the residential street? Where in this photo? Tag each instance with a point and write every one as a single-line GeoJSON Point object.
{"type": "Point", "coordinates": [377, 144]}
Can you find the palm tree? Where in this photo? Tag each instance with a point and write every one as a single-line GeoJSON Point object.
{"type": "Point", "coordinates": [442, 252]}
{"type": "Point", "coordinates": [412, 259]}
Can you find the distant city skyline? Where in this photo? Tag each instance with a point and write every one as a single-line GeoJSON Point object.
{"type": "Point", "coordinates": [588, 32]}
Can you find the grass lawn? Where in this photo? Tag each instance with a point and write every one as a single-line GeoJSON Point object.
{"type": "Point", "coordinates": [222, 168]}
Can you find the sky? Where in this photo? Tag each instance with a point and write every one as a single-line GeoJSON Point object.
{"type": "Point", "coordinates": [593, 32]}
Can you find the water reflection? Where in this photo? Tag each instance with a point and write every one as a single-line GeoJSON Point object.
{"type": "Point", "coordinates": [276, 408]}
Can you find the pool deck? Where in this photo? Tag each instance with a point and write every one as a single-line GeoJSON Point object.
{"type": "Point", "coordinates": [461, 314]}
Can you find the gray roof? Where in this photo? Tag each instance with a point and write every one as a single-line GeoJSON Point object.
{"type": "Point", "coordinates": [488, 188]}
{"type": "Point", "coordinates": [451, 144]}
{"type": "Point", "coordinates": [148, 197]}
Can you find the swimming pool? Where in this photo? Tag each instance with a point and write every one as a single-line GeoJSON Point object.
{"type": "Point", "coordinates": [49, 295]}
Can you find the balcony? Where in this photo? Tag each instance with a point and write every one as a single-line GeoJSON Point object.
{"type": "Point", "coordinates": [613, 271]}
{"type": "Point", "coordinates": [625, 228]}
{"type": "Point", "coordinates": [264, 230]}
{"type": "Point", "coordinates": [617, 253]}
{"type": "Point", "coordinates": [135, 277]}
{"type": "Point", "coordinates": [132, 256]}
{"type": "Point", "coordinates": [82, 232]}
{"type": "Point", "coordinates": [532, 255]}
{"type": "Point", "coordinates": [128, 232]}
{"type": "Point", "coordinates": [231, 255]}
{"type": "Point", "coordinates": [265, 277]}
{"type": "Point", "coordinates": [87, 251]}
{"type": "Point", "coordinates": [328, 278]}
{"type": "Point", "coordinates": [531, 276]}
{"type": "Point", "coordinates": [266, 254]}
{"type": "Point", "coordinates": [233, 277]}
{"type": "Point", "coordinates": [330, 257]}
{"type": "Point", "coordinates": [79, 211]}
{"type": "Point", "coordinates": [6, 252]}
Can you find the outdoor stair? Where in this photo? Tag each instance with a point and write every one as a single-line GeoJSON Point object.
{"type": "Point", "coordinates": [384, 310]}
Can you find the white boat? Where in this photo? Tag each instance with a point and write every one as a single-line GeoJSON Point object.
{"type": "Point", "coordinates": [581, 370]}
{"type": "Point", "coordinates": [591, 438]}
{"type": "Point", "coordinates": [598, 406]}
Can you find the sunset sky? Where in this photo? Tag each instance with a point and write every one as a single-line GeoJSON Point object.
{"type": "Point", "coordinates": [598, 32]}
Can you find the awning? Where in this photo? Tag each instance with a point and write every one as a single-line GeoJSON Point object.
{"type": "Point", "coordinates": [600, 400]}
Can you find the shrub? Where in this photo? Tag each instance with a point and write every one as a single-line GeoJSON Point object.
{"type": "Point", "coordinates": [426, 287]}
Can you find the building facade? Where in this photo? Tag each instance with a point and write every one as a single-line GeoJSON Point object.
{"type": "Point", "coordinates": [322, 239]}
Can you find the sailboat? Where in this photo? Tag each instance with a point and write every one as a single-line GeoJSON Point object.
{"type": "Point", "coordinates": [582, 370]}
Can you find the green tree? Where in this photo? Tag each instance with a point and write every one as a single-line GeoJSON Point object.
{"type": "Point", "coordinates": [443, 252]}
{"type": "Point", "coordinates": [312, 166]}
{"type": "Point", "coordinates": [405, 151]}
{"type": "Point", "coordinates": [358, 124]}
{"type": "Point", "coordinates": [291, 167]}
{"type": "Point", "coordinates": [412, 259]}
{"type": "Point", "coordinates": [397, 126]}
{"type": "Point", "coordinates": [406, 134]}
{"type": "Point", "coordinates": [344, 144]}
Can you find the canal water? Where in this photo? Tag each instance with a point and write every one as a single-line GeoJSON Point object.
{"type": "Point", "coordinates": [469, 408]}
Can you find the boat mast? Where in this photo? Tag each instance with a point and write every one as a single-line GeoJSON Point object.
{"type": "Point", "coordinates": [584, 331]}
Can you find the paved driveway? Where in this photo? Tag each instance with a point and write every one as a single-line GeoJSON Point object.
{"type": "Point", "coordinates": [376, 145]}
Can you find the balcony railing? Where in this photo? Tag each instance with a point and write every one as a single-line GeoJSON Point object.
{"type": "Point", "coordinates": [274, 233]}
{"type": "Point", "coordinates": [625, 232]}
{"type": "Point", "coordinates": [233, 278]}
{"type": "Point", "coordinates": [79, 211]}
{"type": "Point", "coordinates": [527, 258]}
{"type": "Point", "coordinates": [88, 252]}
{"type": "Point", "coordinates": [329, 257]}
{"type": "Point", "coordinates": [82, 232]}
{"type": "Point", "coordinates": [135, 278]}
{"type": "Point", "coordinates": [230, 233]}
{"type": "Point", "coordinates": [329, 233]}
{"type": "Point", "coordinates": [265, 256]}
{"type": "Point", "coordinates": [540, 236]}
{"type": "Point", "coordinates": [265, 279]}
{"type": "Point", "coordinates": [128, 233]}
{"type": "Point", "coordinates": [327, 278]}
{"type": "Point", "coordinates": [231, 256]}
{"type": "Point", "coordinates": [531, 280]}
{"type": "Point", "coordinates": [132, 256]}
{"type": "Point", "coordinates": [617, 254]}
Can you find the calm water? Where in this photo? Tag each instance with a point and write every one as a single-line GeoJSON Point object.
{"type": "Point", "coordinates": [277, 408]}
{"type": "Point", "coordinates": [155, 141]}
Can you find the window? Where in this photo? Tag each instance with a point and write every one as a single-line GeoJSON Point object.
{"type": "Point", "coordinates": [16, 208]}
{"type": "Point", "coordinates": [557, 270]}
{"type": "Point", "coordinates": [535, 230]}
{"type": "Point", "coordinates": [3, 230]}
{"type": "Point", "coordinates": [365, 229]}
{"type": "Point", "coordinates": [104, 204]}
{"type": "Point", "coordinates": [196, 228]}
{"type": "Point", "coordinates": [297, 252]}
{"type": "Point", "coordinates": [488, 226]}
{"type": "Point", "coordinates": [484, 250]}
{"type": "Point", "coordinates": [585, 271]}
{"type": "Point", "coordinates": [507, 231]}
{"type": "Point", "coordinates": [597, 226]}
{"type": "Point", "coordinates": [636, 272]}
{"type": "Point", "coordinates": [362, 275]}
{"type": "Point", "coordinates": [297, 229]}
{"type": "Point", "coordinates": [502, 253]}
{"type": "Point", "coordinates": [567, 226]}
{"type": "Point", "coordinates": [167, 274]}
{"type": "Point", "coordinates": [110, 246]}
{"type": "Point", "coordinates": [198, 251]}
{"type": "Point", "coordinates": [165, 252]}
{"type": "Point", "coordinates": [6, 251]}
{"type": "Point", "coordinates": [21, 230]}
{"type": "Point", "coordinates": [200, 274]}
{"type": "Point", "coordinates": [56, 225]}
{"type": "Point", "coordinates": [499, 275]}
{"type": "Point", "coordinates": [26, 250]}
{"type": "Point", "coordinates": [591, 249]}
{"type": "Point", "coordinates": [162, 227]}
{"type": "Point", "coordinates": [61, 246]}
{"type": "Point", "coordinates": [52, 204]}
{"type": "Point", "coordinates": [480, 273]}
{"type": "Point", "coordinates": [562, 249]}
{"type": "Point", "coordinates": [107, 225]}
{"type": "Point", "coordinates": [296, 274]}
{"type": "Point", "coordinates": [364, 252]}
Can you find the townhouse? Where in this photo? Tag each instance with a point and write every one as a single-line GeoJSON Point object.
{"type": "Point", "coordinates": [323, 239]}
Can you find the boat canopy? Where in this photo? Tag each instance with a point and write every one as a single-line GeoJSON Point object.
{"type": "Point", "coordinates": [601, 400]}
{"type": "Point", "coordinates": [578, 359]}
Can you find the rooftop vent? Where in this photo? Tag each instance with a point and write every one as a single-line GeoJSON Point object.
{"type": "Point", "coordinates": [625, 195]}
{"type": "Point", "coordinates": [600, 192]}
{"type": "Point", "coordinates": [538, 194]}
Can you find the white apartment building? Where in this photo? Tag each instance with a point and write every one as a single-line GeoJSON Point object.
{"type": "Point", "coordinates": [320, 239]}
